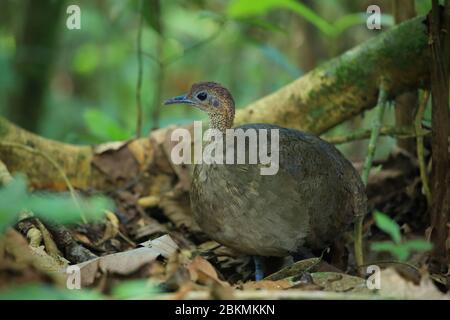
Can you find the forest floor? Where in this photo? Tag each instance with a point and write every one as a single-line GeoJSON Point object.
{"type": "Point", "coordinates": [144, 240]}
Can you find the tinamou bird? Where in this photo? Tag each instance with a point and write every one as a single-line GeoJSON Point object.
{"type": "Point", "coordinates": [311, 200]}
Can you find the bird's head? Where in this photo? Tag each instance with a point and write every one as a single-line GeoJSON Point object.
{"type": "Point", "coordinates": [212, 98]}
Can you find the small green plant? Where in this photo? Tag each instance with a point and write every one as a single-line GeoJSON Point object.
{"type": "Point", "coordinates": [397, 247]}
{"type": "Point", "coordinates": [239, 9]}
{"type": "Point", "coordinates": [60, 208]}
{"type": "Point", "coordinates": [102, 127]}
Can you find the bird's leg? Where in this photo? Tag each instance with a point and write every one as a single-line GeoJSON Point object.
{"type": "Point", "coordinates": [259, 272]}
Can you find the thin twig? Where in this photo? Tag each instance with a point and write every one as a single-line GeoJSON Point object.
{"type": "Point", "coordinates": [140, 73]}
{"type": "Point", "coordinates": [54, 164]}
{"type": "Point", "coordinates": [420, 147]}
{"type": "Point", "coordinates": [382, 97]}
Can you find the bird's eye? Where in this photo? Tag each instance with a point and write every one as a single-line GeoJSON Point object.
{"type": "Point", "coordinates": [202, 96]}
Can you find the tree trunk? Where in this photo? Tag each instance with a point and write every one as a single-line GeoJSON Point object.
{"type": "Point", "coordinates": [440, 179]}
{"type": "Point", "coordinates": [406, 103]}
{"type": "Point", "coordinates": [33, 61]}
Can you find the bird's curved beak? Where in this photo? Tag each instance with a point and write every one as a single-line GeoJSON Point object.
{"type": "Point", "coordinates": [183, 99]}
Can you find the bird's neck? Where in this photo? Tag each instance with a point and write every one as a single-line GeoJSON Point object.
{"type": "Point", "coordinates": [222, 121]}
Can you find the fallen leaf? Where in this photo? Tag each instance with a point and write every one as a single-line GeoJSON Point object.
{"type": "Point", "coordinates": [127, 262]}
{"type": "Point", "coordinates": [149, 201]}
{"type": "Point", "coordinates": [267, 285]}
{"type": "Point", "coordinates": [201, 271]}
{"type": "Point", "coordinates": [165, 245]}
{"type": "Point", "coordinates": [395, 286]}
{"type": "Point", "coordinates": [295, 269]}
{"type": "Point", "coordinates": [339, 282]}
{"type": "Point", "coordinates": [109, 146]}
{"type": "Point", "coordinates": [111, 228]}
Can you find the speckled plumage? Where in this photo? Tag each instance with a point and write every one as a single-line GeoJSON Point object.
{"type": "Point", "coordinates": [313, 198]}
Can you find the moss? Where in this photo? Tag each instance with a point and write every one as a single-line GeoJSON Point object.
{"type": "Point", "coordinates": [4, 128]}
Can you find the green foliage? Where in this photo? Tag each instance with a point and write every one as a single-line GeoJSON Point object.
{"type": "Point", "coordinates": [245, 8]}
{"type": "Point", "coordinates": [398, 248]}
{"type": "Point", "coordinates": [102, 127]}
{"type": "Point", "coordinates": [60, 208]}
{"type": "Point", "coordinates": [131, 289]}
{"type": "Point", "coordinates": [87, 59]}
{"type": "Point", "coordinates": [134, 289]}
{"type": "Point", "coordinates": [388, 225]}
{"type": "Point", "coordinates": [45, 292]}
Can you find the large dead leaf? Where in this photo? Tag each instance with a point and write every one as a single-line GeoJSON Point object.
{"type": "Point", "coordinates": [165, 245]}
{"type": "Point", "coordinates": [127, 262]}
{"type": "Point", "coordinates": [117, 162]}
{"type": "Point", "coordinates": [395, 286]}
{"type": "Point", "coordinates": [201, 271]}
{"type": "Point", "coordinates": [340, 282]}
{"type": "Point", "coordinates": [295, 269]}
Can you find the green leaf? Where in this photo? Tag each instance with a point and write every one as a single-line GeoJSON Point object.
{"type": "Point", "coordinates": [60, 208]}
{"type": "Point", "coordinates": [385, 223]}
{"type": "Point", "coordinates": [103, 127]}
{"type": "Point", "coordinates": [134, 289]}
{"type": "Point", "coordinates": [13, 199]}
{"type": "Point", "coordinates": [63, 209]}
{"type": "Point", "coordinates": [152, 14]}
{"type": "Point", "coordinates": [418, 245]}
{"type": "Point", "coordinates": [86, 59]}
{"type": "Point", "coordinates": [402, 250]}
{"type": "Point", "coordinates": [45, 292]}
{"type": "Point", "coordinates": [245, 8]}
{"type": "Point", "coordinates": [397, 250]}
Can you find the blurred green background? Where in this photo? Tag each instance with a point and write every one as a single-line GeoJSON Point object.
{"type": "Point", "coordinates": [79, 86]}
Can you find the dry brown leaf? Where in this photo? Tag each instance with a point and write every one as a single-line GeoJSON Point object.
{"type": "Point", "coordinates": [126, 262]}
{"type": "Point", "coordinates": [267, 285]}
{"type": "Point", "coordinates": [165, 245]}
{"type": "Point", "coordinates": [201, 271]}
{"type": "Point", "coordinates": [34, 236]}
{"type": "Point", "coordinates": [109, 146]}
{"type": "Point", "coordinates": [149, 201]}
{"type": "Point", "coordinates": [339, 282]}
{"type": "Point", "coordinates": [142, 151]}
{"type": "Point", "coordinates": [111, 228]}
{"type": "Point", "coordinates": [50, 244]}
{"type": "Point", "coordinates": [395, 286]}
{"type": "Point", "coordinates": [295, 269]}
{"type": "Point", "coordinates": [119, 164]}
